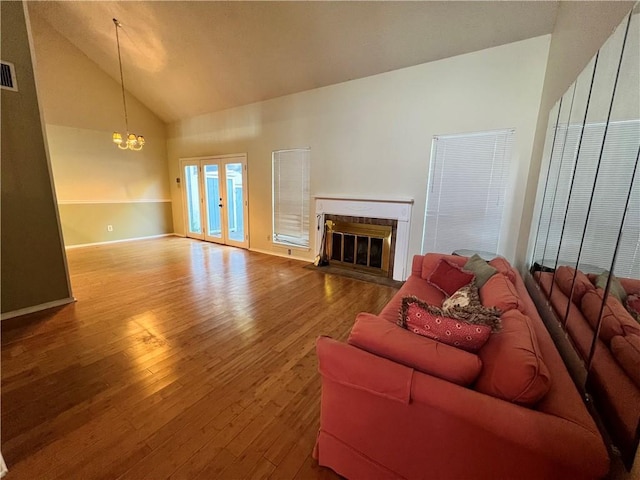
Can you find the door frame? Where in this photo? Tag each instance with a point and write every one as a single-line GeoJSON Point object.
{"type": "Point", "coordinates": [221, 161]}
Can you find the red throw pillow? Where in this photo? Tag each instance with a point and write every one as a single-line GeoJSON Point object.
{"type": "Point", "coordinates": [449, 277]}
{"type": "Point", "coordinates": [456, 333]}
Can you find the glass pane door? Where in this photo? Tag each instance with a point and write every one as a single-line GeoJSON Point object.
{"type": "Point", "coordinates": [192, 199]}
{"type": "Point", "coordinates": [215, 199]}
{"type": "Point", "coordinates": [235, 202]}
{"type": "Point", "coordinates": [213, 202]}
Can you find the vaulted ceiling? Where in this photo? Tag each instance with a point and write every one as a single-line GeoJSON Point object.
{"type": "Point", "coordinates": [183, 59]}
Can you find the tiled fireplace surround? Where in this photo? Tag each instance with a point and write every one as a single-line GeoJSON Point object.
{"type": "Point", "coordinates": [393, 209]}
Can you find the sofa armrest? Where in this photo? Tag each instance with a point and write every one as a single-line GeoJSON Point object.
{"type": "Point", "coordinates": [416, 266]}
{"type": "Point", "coordinates": [365, 371]}
{"type": "Point", "coordinates": [497, 439]}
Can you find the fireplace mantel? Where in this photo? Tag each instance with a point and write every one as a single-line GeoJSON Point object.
{"type": "Point", "coordinates": [398, 209]}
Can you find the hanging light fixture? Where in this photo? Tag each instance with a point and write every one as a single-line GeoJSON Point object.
{"type": "Point", "coordinates": [131, 140]}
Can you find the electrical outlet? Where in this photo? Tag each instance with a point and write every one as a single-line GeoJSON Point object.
{"type": "Point", "coordinates": [288, 251]}
{"type": "Point", "coordinates": [109, 228]}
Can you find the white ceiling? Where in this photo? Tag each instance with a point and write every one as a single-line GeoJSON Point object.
{"type": "Point", "coordinates": [183, 59]}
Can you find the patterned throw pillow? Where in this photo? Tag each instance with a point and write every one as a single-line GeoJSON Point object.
{"type": "Point", "coordinates": [461, 298]}
{"type": "Point", "coordinates": [417, 318]}
{"type": "Point", "coordinates": [633, 306]}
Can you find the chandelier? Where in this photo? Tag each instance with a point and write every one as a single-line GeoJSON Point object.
{"type": "Point", "coordinates": [131, 140]}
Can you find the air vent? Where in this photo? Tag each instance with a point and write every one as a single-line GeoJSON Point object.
{"type": "Point", "coordinates": [8, 76]}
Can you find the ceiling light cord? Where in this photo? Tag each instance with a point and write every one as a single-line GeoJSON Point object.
{"type": "Point", "coordinates": [131, 140]}
{"type": "Point", "coordinates": [124, 99]}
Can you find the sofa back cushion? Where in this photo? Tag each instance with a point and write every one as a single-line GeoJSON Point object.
{"type": "Point", "coordinates": [503, 266]}
{"type": "Point", "coordinates": [513, 368]}
{"type": "Point", "coordinates": [501, 293]}
{"type": "Point", "coordinates": [564, 279]}
{"type": "Point", "coordinates": [615, 318]}
{"type": "Point", "coordinates": [626, 351]}
{"type": "Point", "coordinates": [385, 339]}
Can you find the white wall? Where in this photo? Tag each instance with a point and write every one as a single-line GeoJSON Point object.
{"type": "Point", "coordinates": [372, 136]}
{"type": "Point", "coordinates": [82, 107]}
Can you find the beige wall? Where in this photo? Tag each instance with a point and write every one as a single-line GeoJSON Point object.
{"type": "Point", "coordinates": [580, 30]}
{"type": "Point", "coordinates": [33, 261]}
{"type": "Point", "coordinates": [82, 107]}
{"type": "Point", "coordinates": [372, 136]}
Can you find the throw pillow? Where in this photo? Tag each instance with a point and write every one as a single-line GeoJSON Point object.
{"type": "Point", "coordinates": [633, 306]}
{"type": "Point", "coordinates": [615, 287]}
{"type": "Point", "coordinates": [449, 277]}
{"type": "Point", "coordinates": [461, 298]}
{"type": "Point", "coordinates": [482, 270]}
{"type": "Point", "coordinates": [457, 333]}
{"type": "Point", "coordinates": [465, 305]}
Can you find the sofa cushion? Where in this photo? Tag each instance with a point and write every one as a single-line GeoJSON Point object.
{"type": "Point", "coordinates": [480, 268]}
{"type": "Point", "coordinates": [417, 318]}
{"type": "Point", "coordinates": [615, 318]}
{"type": "Point", "coordinates": [626, 351]}
{"type": "Point", "coordinates": [513, 368]}
{"type": "Point", "coordinates": [501, 293]}
{"type": "Point", "coordinates": [615, 287]}
{"type": "Point", "coordinates": [449, 277]}
{"type": "Point", "coordinates": [503, 266]}
{"type": "Point", "coordinates": [416, 286]}
{"type": "Point", "coordinates": [564, 279]}
{"type": "Point", "coordinates": [388, 340]}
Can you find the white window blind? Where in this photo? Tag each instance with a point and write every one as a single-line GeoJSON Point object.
{"type": "Point", "coordinates": [291, 172]}
{"type": "Point", "coordinates": [466, 189]}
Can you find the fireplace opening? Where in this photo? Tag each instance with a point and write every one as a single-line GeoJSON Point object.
{"type": "Point", "coordinates": [359, 243]}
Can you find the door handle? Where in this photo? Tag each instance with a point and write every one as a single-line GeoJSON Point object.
{"type": "Point", "coordinates": [220, 205]}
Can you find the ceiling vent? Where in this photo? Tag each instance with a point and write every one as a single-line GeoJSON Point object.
{"type": "Point", "coordinates": [8, 76]}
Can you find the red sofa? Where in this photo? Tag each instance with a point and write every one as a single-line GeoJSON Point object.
{"type": "Point", "coordinates": [398, 405]}
{"type": "Point", "coordinates": [614, 381]}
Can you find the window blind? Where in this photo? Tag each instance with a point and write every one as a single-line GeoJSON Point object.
{"type": "Point", "coordinates": [468, 175]}
{"type": "Point", "coordinates": [291, 172]}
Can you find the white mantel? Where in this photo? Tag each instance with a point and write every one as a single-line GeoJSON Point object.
{"type": "Point", "coordinates": [398, 209]}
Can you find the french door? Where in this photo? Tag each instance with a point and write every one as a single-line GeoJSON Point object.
{"type": "Point", "coordinates": [215, 199]}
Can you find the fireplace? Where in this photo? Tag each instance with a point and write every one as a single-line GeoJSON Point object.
{"type": "Point", "coordinates": [366, 212]}
{"type": "Point", "coordinates": [360, 243]}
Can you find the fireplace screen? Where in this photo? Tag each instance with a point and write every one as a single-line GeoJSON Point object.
{"type": "Point", "coordinates": [361, 246]}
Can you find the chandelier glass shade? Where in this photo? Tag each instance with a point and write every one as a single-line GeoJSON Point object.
{"type": "Point", "coordinates": [131, 141]}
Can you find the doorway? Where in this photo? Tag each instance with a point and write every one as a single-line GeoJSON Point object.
{"type": "Point", "coordinates": [215, 199]}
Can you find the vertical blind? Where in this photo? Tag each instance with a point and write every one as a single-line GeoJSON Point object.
{"type": "Point", "coordinates": [467, 180]}
{"type": "Point", "coordinates": [291, 172]}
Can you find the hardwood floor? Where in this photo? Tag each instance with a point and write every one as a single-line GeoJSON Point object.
{"type": "Point", "coordinates": [180, 359]}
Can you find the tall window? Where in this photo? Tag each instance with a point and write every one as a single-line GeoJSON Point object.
{"type": "Point", "coordinates": [291, 171]}
{"type": "Point", "coordinates": [465, 199]}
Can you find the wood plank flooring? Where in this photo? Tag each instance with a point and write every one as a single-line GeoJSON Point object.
{"type": "Point", "coordinates": [181, 359]}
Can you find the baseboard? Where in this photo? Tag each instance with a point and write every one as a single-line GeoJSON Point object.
{"type": "Point", "coordinates": [37, 308]}
{"type": "Point", "coordinates": [134, 239]}
{"type": "Point", "coordinates": [283, 255]}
